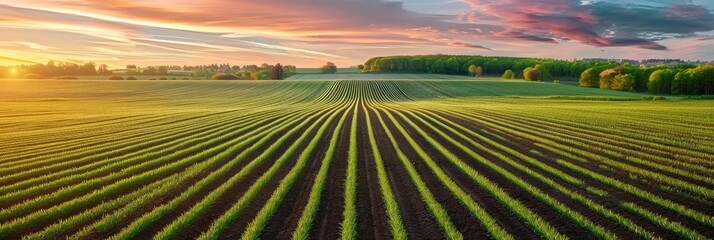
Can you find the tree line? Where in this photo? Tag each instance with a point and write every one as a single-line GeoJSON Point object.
{"type": "Point", "coordinates": [55, 69]}
{"type": "Point", "coordinates": [460, 64]}
{"type": "Point", "coordinates": [682, 78]}
{"type": "Point", "coordinates": [68, 70]}
{"type": "Point", "coordinates": [247, 72]}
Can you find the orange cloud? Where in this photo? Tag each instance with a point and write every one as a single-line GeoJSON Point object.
{"type": "Point", "coordinates": [306, 33]}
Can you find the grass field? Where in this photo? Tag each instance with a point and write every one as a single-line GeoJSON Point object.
{"type": "Point", "coordinates": [381, 76]}
{"type": "Point", "coordinates": [317, 70]}
{"type": "Point", "coordinates": [365, 159]}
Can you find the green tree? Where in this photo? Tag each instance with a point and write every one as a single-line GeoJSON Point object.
{"type": "Point", "coordinates": [543, 73]}
{"type": "Point", "coordinates": [261, 75]}
{"type": "Point", "coordinates": [452, 66]}
{"type": "Point", "coordinates": [660, 81]}
{"type": "Point", "coordinates": [679, 83]}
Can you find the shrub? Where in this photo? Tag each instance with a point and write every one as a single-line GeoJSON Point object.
{"type": "Point", "coordinates": [115, 77]}
{"type": "Point", "coordinates": [185, 78]}
{"type": "Point", "coordinates": [224, 76]}
{"type": "Point", "coordinates": [67, 77]}
{"type": "Point", "coordinates": [556, 81]}
{"type": "Point", "coordinates": [131, 78]}
{"type": "Point", "coordinates": [508, 74]}
{"type": "Point", "coordinates": [163, 78]}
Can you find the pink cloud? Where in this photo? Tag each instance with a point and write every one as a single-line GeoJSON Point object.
{"type": "Point", "coordinates": [346, 31]}
{"type": "Point", "coordinates": [553, 21]}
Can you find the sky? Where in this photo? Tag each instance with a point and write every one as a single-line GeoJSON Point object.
{"type": "Point", "coordinates": [308, 33]}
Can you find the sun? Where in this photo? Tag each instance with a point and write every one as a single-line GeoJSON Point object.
{"type": "Point", "coordinates": [13, 70]}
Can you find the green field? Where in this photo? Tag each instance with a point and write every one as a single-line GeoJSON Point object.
{"type": "Point", "coordinates": [317, 70]}
{"type": "Point", "coordinates": [429, 157]}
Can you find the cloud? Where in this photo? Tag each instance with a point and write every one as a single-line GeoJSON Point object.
{"type": "Point", "coordinates": [310, 32]}
{"type": "Point", "coordinates": [17, 60]}
{"type": "Point", "coordinates": [468, 45]}
{"type": "Point", "coordinates": [597, 23]}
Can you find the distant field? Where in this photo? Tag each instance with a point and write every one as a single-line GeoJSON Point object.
{"type": "Point", "coordinates": [363, 159]}
{"type": "Point", "coordinates": [381, 76]}
{"type": "Point", "coordinates": [139, 77]}
{"type": "Point", "coordinates": [317, 70]}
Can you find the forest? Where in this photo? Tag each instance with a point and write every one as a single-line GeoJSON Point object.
{"type": "Point", "coordinates": [677, 77]}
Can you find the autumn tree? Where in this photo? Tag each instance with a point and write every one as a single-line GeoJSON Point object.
{"type": "Point", "coordinates": [623, 82]}
{"type": "Point", "coordinates": [589, 78]}
{"type": "Point", "coordinates": [277, 72]}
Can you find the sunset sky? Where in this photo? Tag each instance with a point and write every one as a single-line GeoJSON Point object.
{"type": "Point", "coordinates": [308, 33]}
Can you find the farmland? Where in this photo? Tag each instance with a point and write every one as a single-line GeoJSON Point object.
{"type": "Point", "coordinates": [378, 158]}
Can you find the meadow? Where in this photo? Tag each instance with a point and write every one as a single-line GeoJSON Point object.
{"type": "Point", "coordinates": [368, 157]}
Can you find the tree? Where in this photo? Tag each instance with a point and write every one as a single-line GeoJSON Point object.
{"type": "Point", "coordinates": [289, 70]}
{"type": "Point", "coordinates": [679, 83]}
{"type": "Point", "coordinates": [251, 68]}
{"type": "Point", "coordinates": [479, 71]}
{"type": "Point", "coordinates": [623, 82]}
{"type": "Point", "coordinates": [89, 69]}
{"type": "Point", "coordinates": [660, 82]}
{"type": "Point", "coordinates": [526, 74]}
{"type": "Point", "coordinates": [261, 75]}
{"type": "Point", "coordinates": [360, 68]}
{"type": "Point", "coordinates": [589, 78]}
{"type": "Point", "coordinates": [452, 66]}
{"type": "Point", "coordinates": [472, 70]}
{"type": "Point", "coordinates": [329, 67]}
{"type": "Point", "coordinates": [103, 69]}
{"type": "Point", "coordinates": [543, 72]}
{"type": "Point", "coordinates": [508, 74]}
{"type": "Point", "coordinates": [537, 73]}
{"type": "Point", "coordinates": [162, 70]}
{"type": "Point", "coordinates": [277, 73]}
{"type": "Point", "coordinates": [606, 78]}
{"type": "Point", "coordinates": [533, 75]}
